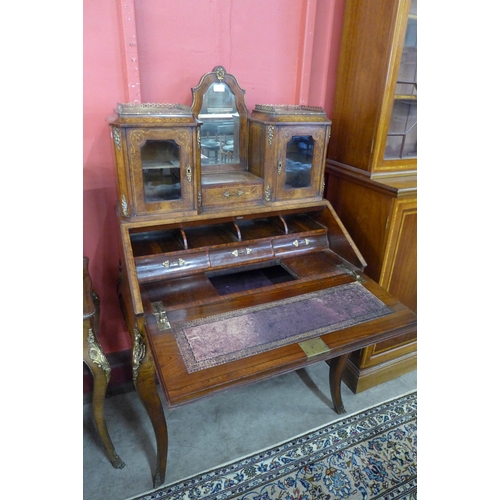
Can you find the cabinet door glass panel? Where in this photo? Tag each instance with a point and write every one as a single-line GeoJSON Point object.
{"type": "Point", "coordinates": [402, 137]}
{"type": "Point", "coordinates": [161, 171]}
{"type": "Point", "coordinates": [407, 76]}
{"type": "Point", "coordinates": [220, 129]}
{"type": "Point", "coordinates": [299, 155]}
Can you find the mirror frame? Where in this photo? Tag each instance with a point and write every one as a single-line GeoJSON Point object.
{"type": "Point", "coordinates": [219, 75]}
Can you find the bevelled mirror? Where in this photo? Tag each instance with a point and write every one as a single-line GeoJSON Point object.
{"type": "Point", "coordinates": [219, 103]}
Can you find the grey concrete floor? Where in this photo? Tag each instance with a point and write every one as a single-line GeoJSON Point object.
{"type": "Point", "coordinates": [216, 430]}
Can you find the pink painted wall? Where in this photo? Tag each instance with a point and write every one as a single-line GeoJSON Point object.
{"type": "Point", "coordinates": [258, 41]}
{"type": "Point", "coordinates": [281, 52]}
{"type": "Point", "coordinates": [103, 87]}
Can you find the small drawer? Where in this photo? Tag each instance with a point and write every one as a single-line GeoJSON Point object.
{"type": "Point", "coordinates": [298, 243]}
{"type": "Point", "coordinates": [220, 196]}
{"type": "Point", "coordinates": [165, 265]}
{"type": "Point", "coordinates": [237, 254]}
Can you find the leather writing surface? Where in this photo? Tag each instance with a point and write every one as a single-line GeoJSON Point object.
{"type": "Point", "coordinates": [226, 337]}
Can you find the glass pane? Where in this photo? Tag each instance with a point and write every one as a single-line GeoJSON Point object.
{"type": "Point", "coordinates": [402, 136]}
{"type": "Point", "coordinates": [220, 129]}
{"type": "Point", "coordinates": [161, 171]}
{"type": "Point", "coordinates": [407, 76]}
{"type": "Point", "coordinates": [299, 155]}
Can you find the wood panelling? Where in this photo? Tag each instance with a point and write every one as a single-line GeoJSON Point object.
{"type": "Point", "coordinates": [381, 217]}
{"type": "Point", "coordinates": [400, 266]}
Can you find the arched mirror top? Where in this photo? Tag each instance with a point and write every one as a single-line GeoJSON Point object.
{"type": "Point", "coordinates": [219, 103]}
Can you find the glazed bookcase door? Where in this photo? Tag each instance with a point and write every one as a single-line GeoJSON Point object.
{"type": "Point", "coordinates": [374, 126]}
{"type": "Point", "coordinates": [162, 169]}
{"type": "Point", "coordinates": [300, 160]}
{"type": "Point", "coordinates": [401, 140]}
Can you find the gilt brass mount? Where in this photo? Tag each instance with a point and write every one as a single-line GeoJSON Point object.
{"type": "Point", "coordinates": [174, 263]}
{"type": "Point", "coordinates": [124, 206]}
{"type": "Point", "coordinates": [270, 134]}
{"type": "Point", "coordinates": [97, 355]}
{"type": "Point", "coordinates": [305, 241]}
{"type": "Point", "coordinates": [138, 353]}
{"type": "Point", "coordinates": [227, 194]}
{"type": "Point", "coordinates": [117, 138]}
{"type": "Point", "coordinates": [241, 252]}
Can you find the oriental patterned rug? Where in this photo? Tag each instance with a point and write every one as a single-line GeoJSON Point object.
{"type": "Point", "coordinates": [368, 455]}
{"type": "Point", "coordinates": [221, 338]}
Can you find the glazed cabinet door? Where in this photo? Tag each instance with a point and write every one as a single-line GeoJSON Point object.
{"type": "Point", "coordinates": [300, 162]}
{"type": "Point", "coordinates": [163, 170]}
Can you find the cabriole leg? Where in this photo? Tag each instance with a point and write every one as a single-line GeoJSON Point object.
{"type": "Point", "coordinates": [337, 366]}
{"type": "Point", "coordinates": [95, 359]}
{"type": "Point", "coordinates": [144, 381]}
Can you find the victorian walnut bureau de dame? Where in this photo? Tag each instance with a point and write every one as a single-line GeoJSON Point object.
{"type": "Point", "coordinates": [234, 268]}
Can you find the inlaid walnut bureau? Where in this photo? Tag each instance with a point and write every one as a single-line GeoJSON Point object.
{"type": "Point", "coordinates": [234, 268]}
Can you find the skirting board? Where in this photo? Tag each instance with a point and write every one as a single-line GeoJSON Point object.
{"type": "Point", "coordinates": [360, 380]}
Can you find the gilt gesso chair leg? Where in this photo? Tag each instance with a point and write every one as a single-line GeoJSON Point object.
{"type": "Point", "coordinates": [337, 366]}
{"type": "Point", "coordinates": [145, 385]}
{"type": "Point", "coordinates": [95, 359]}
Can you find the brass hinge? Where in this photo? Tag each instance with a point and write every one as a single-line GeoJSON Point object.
{"type": "Point", "coordinates": [352, 273]}
{"type": "Point", "coordinates": [161, 316]}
